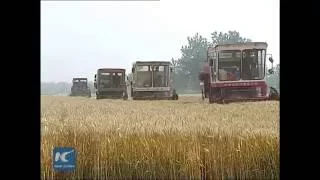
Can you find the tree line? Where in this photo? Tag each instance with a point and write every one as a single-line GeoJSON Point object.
{"type": "Point", "coordinates": [60, 88]}
{"type": "Point", "coordinates": [187, 67]}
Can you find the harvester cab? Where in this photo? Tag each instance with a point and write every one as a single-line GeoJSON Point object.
{"type": "Point", "coordinates": [152, 80]}
{"type": "Point", "coordinates": [110, 84]}
{"type": "Point", "coordinates": [80, 87]}
{"type": "Point", "coordinates": [236, 72]}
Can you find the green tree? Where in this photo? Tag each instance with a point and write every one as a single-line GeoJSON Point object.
{"type": "Point", "coordinates": [188, 66]}
{"type": "Point", "coordinates": [226, 38]}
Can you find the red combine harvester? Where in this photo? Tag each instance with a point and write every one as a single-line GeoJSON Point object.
{"type": "Point", "coordinates": [236, 72]}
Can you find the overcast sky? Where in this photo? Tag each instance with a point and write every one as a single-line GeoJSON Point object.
{"type": "Point", "coordinates": [78, 37]}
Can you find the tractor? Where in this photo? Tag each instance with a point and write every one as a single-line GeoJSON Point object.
{"type": "Point", "coordinates": [152, 80]}
{"type": "Point", "coordinates": [110, 83]}
{"type": "Point", "coordinates": [80, 87]}
{"type": "Point", "coordinates": [236, 72]}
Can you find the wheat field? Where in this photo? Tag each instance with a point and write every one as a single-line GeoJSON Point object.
{"type": "Point", "coordinates": [184, 139]}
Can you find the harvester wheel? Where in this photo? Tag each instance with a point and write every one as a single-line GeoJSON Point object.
{"type": "Point", "coordinates": [211, 100]}
{"type": "Point", "coordinates": [274, 95]}
{"type": "Point", "coordinates": [125, 97]}
{"type": "Point", "coordinates": [206, 94]}
{"type": "Point", "coordinates": [175, 97]}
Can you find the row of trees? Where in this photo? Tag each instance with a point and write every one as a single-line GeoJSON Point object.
{"type": "Point", "coordinates": [61, 88]}
{"type": "Point", "coordinates": [187, 67]}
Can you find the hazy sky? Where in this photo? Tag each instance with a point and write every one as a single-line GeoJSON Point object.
{"type": "Point", "coordinates": [78, 37]}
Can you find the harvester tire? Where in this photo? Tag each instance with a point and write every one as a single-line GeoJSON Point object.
{"type": "Point", "coordinates": [274, 95]}
{"type": "Point", "coordinates": [210, 94]}
{"type": "Point", "coordinates": [175, 97]}
{"type": "Point", "coordinates": [211, 100]}
{"type": "Point", "coordinates": [125, 97]}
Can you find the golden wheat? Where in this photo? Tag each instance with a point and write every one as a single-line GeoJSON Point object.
{"type": "Point", "coordinates": [184, 139]}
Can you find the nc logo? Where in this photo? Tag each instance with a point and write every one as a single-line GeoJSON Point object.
{"type": "Point", "coordinates": [64, 158]}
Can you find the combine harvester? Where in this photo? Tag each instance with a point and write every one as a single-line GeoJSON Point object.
{"type": "Point", "coordinates": [236, 72]}
{"type": "Point", "coordinates": [80, 87]}
{"type": "Point", "coordinates": [110, 84]}
{"type": "Point", "coordinates": [152, 80]}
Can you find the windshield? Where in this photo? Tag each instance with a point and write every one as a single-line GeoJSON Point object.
{"type": "Point", "coordinates": [143, 76]}
{"type": "Point", "coordinates": [160, 74]}
{"type": "Point", "coordinates": [253, 64]}
{"type": "Point", "coordinates": [79, 82]}
{"type": "Point", "coordinates": [117, 79]}
{"type": "Point", "coordinates": [111, 79]}
{"type": "Point", "coordinates": [105, 80]}
{"type": "Point", "coordinates": [152, 76]}
{"type": "Point", "coordinates": [229, 65]}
